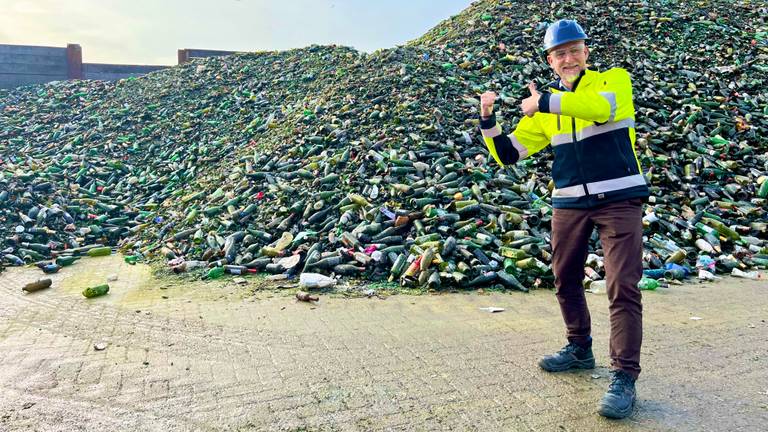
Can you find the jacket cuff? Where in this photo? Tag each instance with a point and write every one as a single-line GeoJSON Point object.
{"type": "Point", "coordinates": [508, 153]}
{"type": "Point", "coordinates": [487, 122]}
{"type": "Point", "coordinates": [544, 102]}
{"type": "Point", "coordinates": [555, 102]}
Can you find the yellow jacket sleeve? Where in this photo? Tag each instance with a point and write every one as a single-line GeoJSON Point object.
{"type": "Point", "coordinates": [527, 139]}
{"type": "Point", "coordinates": [605, 101]}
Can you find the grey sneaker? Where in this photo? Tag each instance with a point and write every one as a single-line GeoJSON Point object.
{"type": "Point", "coordinates": [619, 400]}
{"type": "Point", "coordinates": [571, 356]}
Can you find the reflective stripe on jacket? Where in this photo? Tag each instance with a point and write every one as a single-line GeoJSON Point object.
{"type": "Point", "coordinates": [592, 133]}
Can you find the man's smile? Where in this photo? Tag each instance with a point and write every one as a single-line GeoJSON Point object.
{"type": "Point", "coordinates": [571, 69]}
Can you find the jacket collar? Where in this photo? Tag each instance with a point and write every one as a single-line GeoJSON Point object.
{"type": "Point", "coordinates": [558, 85]}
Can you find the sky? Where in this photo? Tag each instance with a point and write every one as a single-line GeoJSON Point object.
{"type": "Point", "coordinates": [151, 31]}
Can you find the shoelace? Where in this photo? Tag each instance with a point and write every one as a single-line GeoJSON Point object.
{"type": "Point", "coordinates": [619, 381]}
{"type": "Point", "coordinates": [570, 348]}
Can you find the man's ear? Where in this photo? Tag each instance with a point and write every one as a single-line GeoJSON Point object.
{"type": "Point", "coordinates": [549, 59]}
{"type": "Point", "coordinates": [586, 52]}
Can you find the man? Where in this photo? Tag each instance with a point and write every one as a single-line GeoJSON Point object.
{"type": "Point", "coordinates": [588, 118]}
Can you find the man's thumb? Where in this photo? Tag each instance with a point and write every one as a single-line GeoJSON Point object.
{"type": "Point", "coordinates": [532, 88]}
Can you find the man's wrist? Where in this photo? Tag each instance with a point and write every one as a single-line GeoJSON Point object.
{"type": "Point", "coordinates": [488, 122]}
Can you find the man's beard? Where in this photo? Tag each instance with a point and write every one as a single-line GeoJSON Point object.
{"type": "Point", "coordinates": [570, 77]}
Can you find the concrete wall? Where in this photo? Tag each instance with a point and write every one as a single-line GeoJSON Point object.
{"type": "Point", "coordinates": [109, 72]}
{"type": "Point", "coordinates": [22, 65]}
{"type": "Point", "coordinates": [188, 54]}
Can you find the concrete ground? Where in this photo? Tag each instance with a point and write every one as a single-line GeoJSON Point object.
{"type": "Point", "coordinates": [196, 356]}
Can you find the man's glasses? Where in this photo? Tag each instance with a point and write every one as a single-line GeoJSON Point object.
{"type": "Point", "coordinates": [573, 51]}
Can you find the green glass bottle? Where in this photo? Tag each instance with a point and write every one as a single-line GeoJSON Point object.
{"type": "Point", "coordinates": [648, 284]}
{"type": "Point", "coordinates": [214, 273]}
{"type": "Point", "coordinates": [96, 291]}
{"type": "Point", "coordinates": [99, 251]}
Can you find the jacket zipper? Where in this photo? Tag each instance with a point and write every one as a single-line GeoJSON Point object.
{"type": "Point", "coordinates": [578, 155]}
{"type": "Point", "coordinates": [623, 157]}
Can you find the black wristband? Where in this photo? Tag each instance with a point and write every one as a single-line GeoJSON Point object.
{"type": "Point", "coordinates": [487, 122]}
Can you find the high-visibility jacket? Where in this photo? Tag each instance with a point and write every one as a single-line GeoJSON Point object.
{"type": "Point", "coordinates": [592, 133]}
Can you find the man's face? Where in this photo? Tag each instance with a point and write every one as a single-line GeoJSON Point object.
{"type": "Point", "coordinates": [568, 60]}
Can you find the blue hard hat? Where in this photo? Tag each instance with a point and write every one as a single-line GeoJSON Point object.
{"type": "Point", "coordinates": [562, 31]}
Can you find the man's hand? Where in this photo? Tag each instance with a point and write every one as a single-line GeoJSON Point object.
{"type": "Point", "coordinates": [486, 103]}
{"type": "Point", "coordinates": [530, 105]}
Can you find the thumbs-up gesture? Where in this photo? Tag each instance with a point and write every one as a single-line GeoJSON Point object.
{"type": "Point", "coordinates": [530, 105]}
{"type": "Point", "coordinates": [486, 103]}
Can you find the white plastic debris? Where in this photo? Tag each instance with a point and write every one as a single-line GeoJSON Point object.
{"type": "Point", "coordinates": [753, 275]}
{"type": "Point", "coordinates": [492, 309]}
{"type": "Point", "coordinates": [707, 276]}
{"type": "Point", "coordinates": [315, 281]}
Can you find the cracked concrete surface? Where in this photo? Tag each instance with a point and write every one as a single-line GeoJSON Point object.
{"type": "Point", "coordinates": [195, 356]}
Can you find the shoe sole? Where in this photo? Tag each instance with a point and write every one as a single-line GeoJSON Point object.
{"type": "Point", "coordinates": [576, 364]}
{"type": "Point", "coordinates": [612, 413]}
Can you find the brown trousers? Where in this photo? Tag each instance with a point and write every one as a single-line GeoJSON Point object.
{"type": "Point", "coordinates": [619, 225]}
